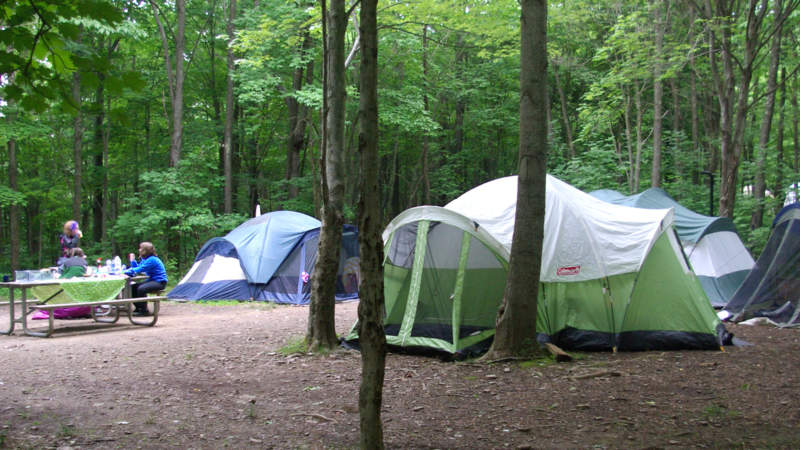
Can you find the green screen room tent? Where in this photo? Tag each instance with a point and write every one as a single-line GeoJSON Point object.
{"type": "Point", "coordinates": [716, 253]}
{"type": "Point", "coordinates": [613, 277]}
{"type": "Point", "coordinates": [772, 289]}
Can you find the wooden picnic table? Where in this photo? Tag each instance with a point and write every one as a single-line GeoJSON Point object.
{"type": "Point", "coordinates": [123, 302]}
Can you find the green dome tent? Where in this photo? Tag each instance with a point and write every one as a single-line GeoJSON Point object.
{"type": "Point", "coordinates": [612, 277]}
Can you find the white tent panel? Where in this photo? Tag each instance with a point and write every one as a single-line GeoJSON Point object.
{"type": "Point", "coordinates": [719, 254]}
{"type": "Point", "coordinates": [586, 238]}
{"type": "Point", "coordinates": [225, 269]}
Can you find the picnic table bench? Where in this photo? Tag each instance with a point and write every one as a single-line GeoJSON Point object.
{"type": "Point", "coordinates": [111, 307]}
{"type": "Point", "coordinates": [115, 307]}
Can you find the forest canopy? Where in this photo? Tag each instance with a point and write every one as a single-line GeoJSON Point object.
{"type": "Point", "coordinates": [115, 113]}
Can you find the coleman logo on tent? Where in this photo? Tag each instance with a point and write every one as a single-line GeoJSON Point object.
{"type": "Point", "coordinates": [568, 270]}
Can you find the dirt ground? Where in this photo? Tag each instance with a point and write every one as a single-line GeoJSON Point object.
{"type": "Point", "coordinates": [214, 377]}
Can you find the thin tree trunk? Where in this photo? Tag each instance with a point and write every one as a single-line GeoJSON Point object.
{"type": "Point", "coordinates": [676, 127]}
{"type": "Point", "coordinates": [658, 95]}
{"type": "Point", "coordinates": [779, 188]}
{"type": "Point", "coordinates": [795, 138]}
{"type": "Point", "coordinates": [515, 335]}
{"type": "Point", "coordinates": [639, 138]}
{"type": "Point", "coordinates": [370, 309]}
{"type": "Point", "coordinates": [693, 104]}
{"type": "Point", "coordinates": [106, 200]}
{"type": "Point", "coordinates": [99, 167]}
{"type": "Point", "coordinates": [564, 116]}
{"type": "Point", "coordinates": [77, 139]}
{"type": "Point", "coordinates": [426, 182]}
{"type": "Point", "coordinates": [760, 185]}
{"type": "Point", "coordinates": [177, 102]}
{"type": "Point", "coordinates": [228, 139]}
{"type": "Point", "coordinates": [176, 77]}
{"type": "Point", "coordinates": [13, 210]}
{"type": "Point", "coordinates": [629, 142]}
{"type": "Point", "coordinates": [321, 332]}
{"type": "Point", "coordinates": [733, 96]}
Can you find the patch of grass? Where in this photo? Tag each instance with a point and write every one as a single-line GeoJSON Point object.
{"type": "Point", "coordinates": [151, 420]}
{"type": "Point", "coordinates": [295, 345]}
{"type": "Point", "coordinates": [189, 356]}
{"type": "Point", "coordinates": [719, 411]}
{"type": "Point", "coordinates": [311, 388]}
{"type": "Point", "coordinates": [537, 362]}
{"type": "Point", "coordinates": [67, 431]}
{"type": "Point", "coordinates": [470, 378]}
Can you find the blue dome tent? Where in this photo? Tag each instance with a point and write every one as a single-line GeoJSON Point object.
{"type": "Point", "coordinates": [268, 258]}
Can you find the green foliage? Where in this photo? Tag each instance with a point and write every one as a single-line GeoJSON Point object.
{"type": "Point", "coordinates": [10, 197]}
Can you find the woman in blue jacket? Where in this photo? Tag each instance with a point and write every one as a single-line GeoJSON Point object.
{"type": "Point", "coordinates": [149, 264]}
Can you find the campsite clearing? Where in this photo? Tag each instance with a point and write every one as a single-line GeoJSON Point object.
{"type": "Point", "coordinates": [215, 376]}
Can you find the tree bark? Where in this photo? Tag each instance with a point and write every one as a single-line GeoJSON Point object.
{"type": "Point", "coordinates": [760, 185]}
{"type": "Point", "coordinates": [693, 104]}
{"type": "Point", "coordinates": [370, 309]}
{"type": "Point", "coordinates": [516, 330]}
{"type": "Point", "coordinates": [321, 332]}
{"type": "Point", "coordinates": [629, 141]}
{"type": "Point", "coordinates": [175, 78]}
{"type": "Point", "coordinates": [795, 137]}
{"type": "Point", "coordinates": [637, 165]}
{"type": "Point", "coordinates": [426, 181]}
{"type": "Point", "coordinates": [13, 210]}
{"type": "Point", "coordinates": [77, 140]}
{"type": "Point", "coordinates": [658, 95]}
{"type": "Point", "coordinates": [228, 139]}
{"type": "Point", "coordinates": [564, 116]}
{"type": "Point", "coordinates": [298, 120]}
{"type": "Point", "coordinates": [98, 180]}
{"type": "Point", "coordinates": [733, 94]}
{"type": "Point", "coordinates": [779, 190]}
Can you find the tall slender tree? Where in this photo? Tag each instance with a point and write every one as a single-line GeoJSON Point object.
{"type": "Point", "coordinates": [175, 74]}
{"type": "Point", "coordinates": [370, 308]}
{"type": "Point", "coordinates": [760, 185]}
{"type": "Point", "coordinates": [515, 333]}
{"type": "Point", "coordinates": [228, 139]}
{"type": "Point", "coordinates": [321, 327]}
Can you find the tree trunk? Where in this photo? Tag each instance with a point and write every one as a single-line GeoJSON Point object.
{"type": "Point", "coordinates": [175, 78]}
{"type": "Point", "coordinates": [564, 116]}
{"type": "Point", "coordinates": [515, 333]}
{"type": "Point", "coordinates": [779, 190]}
{"type": "Point", "coordinates": [370, 308]}
{"type": "Point", "coordinates": [426, 181]}
{"type": "Point", "coordinates": [693, 104]}
{"type": "Point", "coordinates": [77, 139]}
{"type": "Point", "coordinates": [676, 128]}
{"type": "Point", "coordinates": [13, 210]}
{"type": "Point", "coordinates": [733, 95]}
{"type": "Point", "coordinates": [637, 165]}
{"type": "Point", "coordinates": [321, 332]}
{"type": "Point", "coordinates": [228, 139]}
{"type": "Point", "coordinates": [658, 95]}
{"type": "Point", "coordinates": [99, 168]}
{"type": "Point", "coordinates": [760, 185]}
{"type": "Point", "coordinates": [629, 141]}
{"type": "Point", "coordinates": [795, 138]}
{"type": "Point", "coordinates": [298, 120]}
